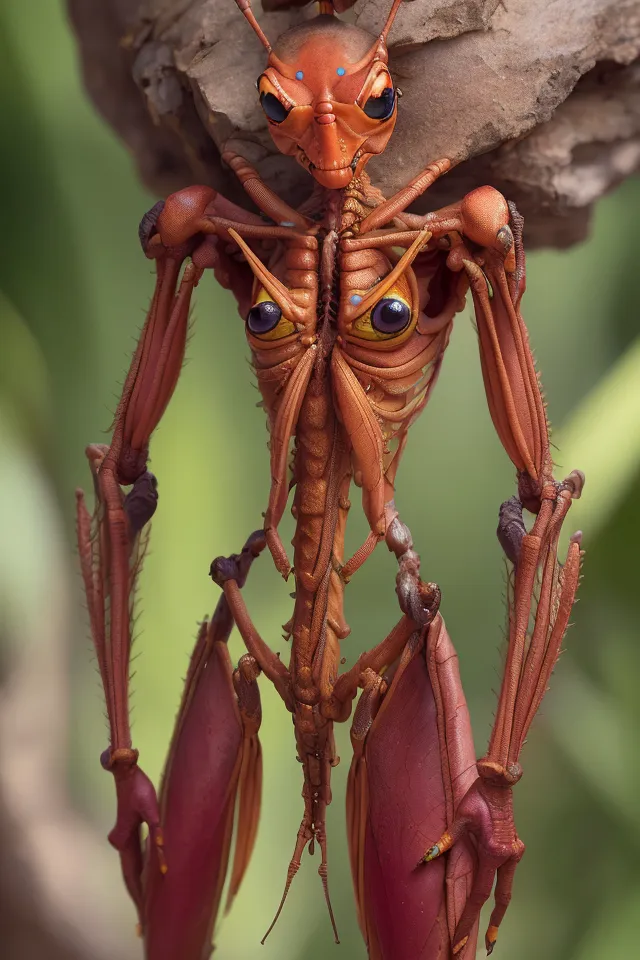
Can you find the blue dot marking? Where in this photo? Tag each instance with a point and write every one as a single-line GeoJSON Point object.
{"type": "Point", "coordinates": [355, 299]}
{"type": "Point", "coordinates": [341, 71]}
{"type": "Point", "coordinates": [287, 223]}
{"type": "Point", "coordinates": [299, 75]}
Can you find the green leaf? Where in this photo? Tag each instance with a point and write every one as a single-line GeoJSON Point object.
{"type": "Point", "coordinates": [602, 438]}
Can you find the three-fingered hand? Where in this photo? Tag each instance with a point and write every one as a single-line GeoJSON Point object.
{"type": "Point", "coordinates": [486, 812]}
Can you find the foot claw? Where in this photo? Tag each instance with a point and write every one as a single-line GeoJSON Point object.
{"type": "Point", "coordinates": [445, 843]}
{"type": "Point", "coordinates": [147, 227]}
{"type": "Point", "coordinates": [430, 855]}
{"type": "Point", "coordinates": [460, 946]}
{"type": "Point", "coordinates": [490, 939]}
{"type": "Point", "coordinates": [575, 483]}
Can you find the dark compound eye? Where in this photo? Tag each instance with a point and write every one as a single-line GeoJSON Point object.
{"type": "Point", "coordinates": [264, 317]}
{"type": "Point", "coordinates": [273, 108]}
{"type": "Point", "coordinates": [390, 316]}
{"type": "Point", "coordinates": [381, 108]}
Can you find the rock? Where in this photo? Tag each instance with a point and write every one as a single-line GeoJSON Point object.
{"type": "Point", "coordinates": [420, 21]}
{"type": "Point", "coordinates": [541, 100]}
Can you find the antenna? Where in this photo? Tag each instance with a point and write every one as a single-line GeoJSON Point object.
{"type": "Point", "coordinates": [390, 19]}
{"type": "Point", "coordinates": [379, 49]}
{"type": "Point", "coordinates": [245, 7]}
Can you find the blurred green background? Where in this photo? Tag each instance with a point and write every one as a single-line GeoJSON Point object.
{"type": "Point", "coordinates": [73, 288]}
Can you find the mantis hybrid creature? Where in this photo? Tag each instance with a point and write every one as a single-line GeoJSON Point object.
{"type": "Point", "coordinates": [348, 306]}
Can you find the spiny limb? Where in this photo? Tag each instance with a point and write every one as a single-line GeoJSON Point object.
{"type": "Point", "coordinates": [532, 653]}
{"type": "Point", "coordinates": [155, 366]}
{"type": "Point", "coordinates": [486, 810]}
{"type": "Point", "coordinates": [485, 240]}
{"type": "Point", "coordinates": [110, 559]}
{"type": "Point", "coordinates": [511, 383]}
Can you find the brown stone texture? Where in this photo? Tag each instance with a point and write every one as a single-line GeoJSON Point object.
{"type": "Point", "coordinates": [540, 98]}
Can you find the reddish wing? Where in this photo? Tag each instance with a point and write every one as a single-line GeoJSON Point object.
{"type": "Point", "coordinates": [403, 784]}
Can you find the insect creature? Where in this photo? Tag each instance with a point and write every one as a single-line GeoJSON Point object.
{"type": "Point", "coordinates": [348, 305]}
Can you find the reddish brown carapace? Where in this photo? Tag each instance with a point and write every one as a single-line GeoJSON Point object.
{"type": "Point", "coordinates": [348, 305]}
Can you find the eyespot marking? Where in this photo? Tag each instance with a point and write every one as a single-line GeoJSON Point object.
{"type": "Point", "coordinates": [263, 317]}
{"type": "Point", "coordinates": [299, 75]}
{"type": "Point", "coordinates": [390, 315]}
{"type": "Point", "coordinates": [341, 71]}
{"type": "Point", "coordinates": [274, 108]}
{"type": "Point", "coordinates": [355, 299]}
{"type": "Point", "coordinates": [381, 107]}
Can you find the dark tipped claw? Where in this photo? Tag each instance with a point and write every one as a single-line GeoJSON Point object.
{"type": "Point", "coordinates": [575, 483]}
{"type": "Point", "coordinates": [148, 223]}
{"type": "Point", "coordinates": [490, 939]}
{"type": "Point", "coordinates": [236, 567]}
{"type": "Point", "coordinates": [141, 502]}
{"type": "Point", "coordinates": [505, 239]}
{"type": "Point", "coordinates": [511, 528]}
{"type": "Point", "coordinates": [223, 569]}
{"type": "Point", "coordinates": [418, 600]}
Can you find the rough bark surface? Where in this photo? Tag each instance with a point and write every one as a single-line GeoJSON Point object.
{"type": "Point", "coordinates": [540, 98]}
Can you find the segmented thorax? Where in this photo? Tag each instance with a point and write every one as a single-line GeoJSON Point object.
{"type": "Point", "coordinates": [387, 353]}
{"type": "Point", "coordinates": [346, 336]}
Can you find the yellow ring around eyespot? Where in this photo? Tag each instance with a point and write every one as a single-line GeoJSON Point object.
{"type": "Point", "coordinates": [283, 328]}
{"type": "Point", "coordinates": [363, 329]}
